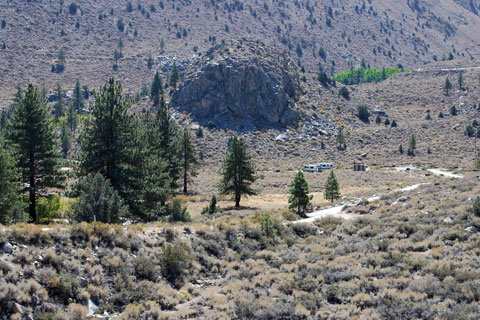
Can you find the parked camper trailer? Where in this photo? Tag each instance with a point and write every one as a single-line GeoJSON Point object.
{"type": "Point", "coordinates": [310, 168]}
{"type": "Point", "coordinates": [324, 166]}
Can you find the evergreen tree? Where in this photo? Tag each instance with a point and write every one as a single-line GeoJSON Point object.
{"type": "Point", "coordinates": [77, 98]}
{"type": "Point", "coordinates": [58, 108]}
{"type": "Point", "coordinates": [393, 124]}
{"type": "Point", "coordinates": [9, 182]}
{"type": "Point", "coordinates": [332, 189]}
{"type": "Point", "coordinates": [108, 142]}
{"type": "Point", "coordinates": [168, 143]}
{"type": "Point", "coordinates": [189, 158]}
{"type": "Point", "coordinates": [400, 149]}
{"type": "Point", "coordinates": [72, 117]}
{"type": "Point", "coordinates": [98, 201]}
{"type": "Point", "coordinates": [65, 139]}
{"type": "Point", "coordinates": [387, 122]}
{"type": "Point", "coordinates": [460, 80]}
{"type": "Point", "coordinates": [33, 135]}
{"type": "Point", "coordinates": [378, 120]}
{"type": "Point", "coordinates": [299, 199]}
{"type": "Point", "coordinates": [174, 76]}
{"type": "Point", "coordinates": [157, 89]}
{"type": "Point", "coordinates": [428, 117]}
{"type": "Point", "coordinates": [156, 180]}
{"type": "Point", "coordinates": [238, 170]}
{"type": "Point", "coordinates": [412, 145]}
{"type": "Point", "coordinates": [447, 86]}
{"type": "Point", "coordinates": [453, 110]}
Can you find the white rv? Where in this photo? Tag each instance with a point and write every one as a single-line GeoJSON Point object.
{"type": "Point", "coordinates": [310, 168]}
{"type": "Point", "coordinates": [323, 166]}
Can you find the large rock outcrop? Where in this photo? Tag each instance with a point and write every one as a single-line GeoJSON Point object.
{"type": "Point", "coordinates": [241, 85]}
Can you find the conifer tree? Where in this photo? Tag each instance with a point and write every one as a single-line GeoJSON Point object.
{"type": "Point", "coordinates": [77, 98]}
{"type": "Point", "coordinates": [65, 139]}
{"type": "Point", "coordinates": [299, 199]}
{"type": "Point", "coordinates": [72, 117]}
{"type": "Point", "coordinates": [174, 76]}
{"type": "Point", "coordinates": [9, 182]}
{"type": "Point", "coordinates": [156, 180]}
{"type": "Point", "coordinates": [58, 108]}
{"type": "Point", "coordinates": [412, 145]}
{"type": "Point", "coordinates": [332, 189]}
{"type": "Point", "coordinates": [34, 138]}
{"type": "Point", "coordinates": [447, 86]}
{"type": "Point", "coordinates": [157, 89]}
{"type": "Point", "coordinates": [238, 170]}
{"type": "Point", "coordinates": [378, 120]}
{"type": "Point", "coordinates": [189, 158]}
{"type": "Point", "coordinates": [108, 142]}
{"type": "Point", "coordinates": [168, 142]}
{"type": "Point", "coordinates": [460, 80]}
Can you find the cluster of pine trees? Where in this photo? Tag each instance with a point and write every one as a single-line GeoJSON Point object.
{"type": "Point", "coordinates": [129, 166]}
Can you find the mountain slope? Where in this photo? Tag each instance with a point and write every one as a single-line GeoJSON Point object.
{"type": "Point", "coordinates": [383, 33]}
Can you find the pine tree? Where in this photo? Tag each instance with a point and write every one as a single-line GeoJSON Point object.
{"type": "Point", "coordinates": [332, 189]}
{"type": "Point", "coordinates": [58, 108]}
{"type": "Point", "coordinates": [299, 199]}
{"type": "Point", "coordinates": [447, 86]}
{"type": "Point", "coordinates": [400, 149]}
{"type": "Point", "coordinates": [393, 124]}
{"type": "Point", "coordinates": [412, 145]}
{"type": "Point", "coordinates": [174, 76]}
{"type": "Point", "coordinates": [460, 80]}
{"type": "Point", "coordinates": [65, 139]}
{"type": "Point", "coordinates": [33, 135]}
{"type": "Point", "coordinates": [77, 98]}
{"type": "Point", "coordinates": [378, 120]}
{"type": "Point", "coordinates": [156, 180]}
{"type": "Point", "coordinates": [108, 142]}
{"type": "Point", "coordinates": [477, 161]}
{"type": "Point", "coordinates": [189, 158]}
{"type": "Point", "coordinates": [157, 89]}
{"type": "Point", "coordinates": [72, 117]}
{"type": "Point", "coordinates": [9, 182]}
{"type": "Point", "coordinates": [169, 147]}
{"type": "Point", "coordinates": [238, 170]}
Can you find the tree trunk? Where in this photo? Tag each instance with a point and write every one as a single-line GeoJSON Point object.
{"type": "Point", "coordinates": [238, 195]}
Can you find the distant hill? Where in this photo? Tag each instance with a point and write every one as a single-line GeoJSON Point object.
{"type": "Point", "coordinates": [323, 35]}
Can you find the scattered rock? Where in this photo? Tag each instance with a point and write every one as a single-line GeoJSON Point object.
{"type": "Point", "coordinates": [472, 229]}
{"type": "Point", "coordinates": [281, 137]}
{"type": "Point", "coordinates": [401, 199]}
{"type": "Point", "coordinates": [448, 220]}
{"type": "Point", "coordinates": [18, 308]}
{"type": "Point", "coordinates": [7, 247]}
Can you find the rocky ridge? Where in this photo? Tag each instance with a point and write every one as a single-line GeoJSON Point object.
{"type": "Point", "coordinates": [241, 85]}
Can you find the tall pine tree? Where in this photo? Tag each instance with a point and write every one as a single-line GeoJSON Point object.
{"type": "Point", "coordinates": [108, 142]}
{"type": "Point", "coordinates": [189, 158]}
{"type": "Point", "coordinates": [332, 189]}
{"type": "Point", "coordinates": [168, 142]}
{"type": "Point", "coordinates": [299, 199]}
{"type": "Point", "coordinates": [238, 171]}
{"type": "Point", "coordinates": [58, 108]}
{"type": "Point", "coordinates": [33, 135]}
{"type": "Point", "coordinates": [174, 76]}
{"type": "Point", "coordinates": [77, 98]}
{"type": "Point", "coordinates": [156, 91]}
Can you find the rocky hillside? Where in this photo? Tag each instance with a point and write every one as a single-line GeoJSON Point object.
{"type": "Point", "coordinates": [318, 33]}
{"type": "Point", "coordinates": [239, 85]}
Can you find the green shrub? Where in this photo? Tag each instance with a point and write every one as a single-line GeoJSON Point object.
{"type": "Point", "coordinates": [177, 213]}
{"type": "Point", "coordinates": [361, 75]}
{"type": "Point", "coordinates": [98, 201]}
{"type": "Point", "coordinates": [48, 208]}
{"type": "Point", "coordinates": [175, 261]}
{"type": "Point", "coordinates": [343, 92]}
{"type": "Point", "coordinates": [363, 113]}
